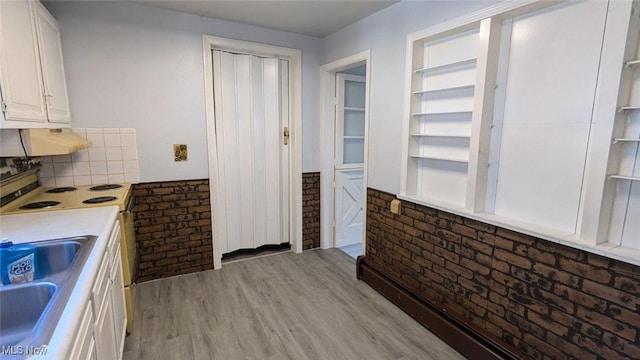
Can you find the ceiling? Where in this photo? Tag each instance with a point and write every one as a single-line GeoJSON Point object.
{"type": "Point", "coordinates": [317, 18]}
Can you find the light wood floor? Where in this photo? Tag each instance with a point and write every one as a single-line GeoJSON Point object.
{"type": "Point", "coordinates": [284, 306]}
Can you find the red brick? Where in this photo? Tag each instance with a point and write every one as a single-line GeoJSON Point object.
{"type": "Point", "coordinates": [516, 236]}
{"type": "Point", "coordinates": [512, 259]}
{"type": "Point", "coordinates": [459, 270]}
{"type": "Point", "coordinates": [464, 230]}
{"type": "Point", "coordinates": [479, 225]}
{"type": "Point", "coordinates": [503, 243]}
{"type": "Point", "coordinates": [547, 323]}
{"type": "Point", "coordinates": [607, 323]}
{"type": "Point", "coordinates": [628, 285]}
{"type": "Point", "coordinates": [589, 345]}
{"type": "Point", "coordinates": [543, 347]}
{"type": "Point", "coordinates": [630, 349]}
{"type": "Point", "coordinates": [474, 266]}
{"type": "Point", "coordinates": [585, 270]}
{"type": "Point", "coordinates": [579, 297]}
{"type": "Point", "coordinates": [569, 347]}
{"type": "Point", "coordinates": [619, 297]}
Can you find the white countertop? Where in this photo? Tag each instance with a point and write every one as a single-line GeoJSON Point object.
{"type": "Point", "coordinates": [49, 225]}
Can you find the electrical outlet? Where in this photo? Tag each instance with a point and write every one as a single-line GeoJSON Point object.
{"type": "Point", "coordinates": [395, 206]}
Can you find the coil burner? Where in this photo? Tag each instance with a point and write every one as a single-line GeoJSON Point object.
{"type": "Point", "coordinates": [39, 205]}
{"type": "Point", "coordinates": [105, 187]}
{"type": "Point", "coordinates": [60, 190]}
{"type": "Point", "coordinates": [99, 200]}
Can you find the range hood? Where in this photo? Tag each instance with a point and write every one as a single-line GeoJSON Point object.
{"type": "Point", "coordinates": [41, 142]}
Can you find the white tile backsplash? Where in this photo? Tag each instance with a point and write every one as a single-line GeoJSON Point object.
{"type": "Point", "coordinates": [97, 154]}
{"type": "Point", "coordinates": [114, 167]}
{"type": "Point", "coordinates": [111, 158]}
{"type": "Point", "coordinates": [81, 168]}
{"type": "Point", "coordinates": [80, 156]}
{"type": "Point", "coordinates": [97, 139]}
{"type": "Point", "coordinates": [129, 153]}
{"type": "Point", "coordinates": [113, 153]}
{"type": "Point", "coordinates": [112, 140]}
{"type": "Point", "coordinates": [98, 168]}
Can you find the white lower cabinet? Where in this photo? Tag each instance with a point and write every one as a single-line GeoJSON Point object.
{"type": "Point", "coordinates": [105, 330]}
{"type": "Point", "coordinates": [119, 308]}
{"type": "Point", "coordinates": [85, 346]}
{"type": "Point", "coordinates": [102, 330]}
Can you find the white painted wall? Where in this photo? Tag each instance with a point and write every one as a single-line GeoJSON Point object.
{"type": "Point", "coordinates": [135, 66]}
{"type": "Point", "coordinates": [385, 33]}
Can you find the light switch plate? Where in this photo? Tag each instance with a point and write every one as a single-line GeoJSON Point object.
{"type": "Point", "coordinates": [180, 152]}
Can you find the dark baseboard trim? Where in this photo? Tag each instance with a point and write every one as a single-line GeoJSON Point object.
{"type": "Point", "coordinates": [461, 337]}
{"type": "Point", "coordinates": [256, 251]}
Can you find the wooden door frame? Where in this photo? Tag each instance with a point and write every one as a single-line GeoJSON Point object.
{"type": "Point", "coordinates": [294, 56]}
{"type": "Point", "coordinates": [327, 123]}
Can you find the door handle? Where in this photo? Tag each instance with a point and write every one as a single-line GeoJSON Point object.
{"type": "Point", "coordinates": [286, 135]}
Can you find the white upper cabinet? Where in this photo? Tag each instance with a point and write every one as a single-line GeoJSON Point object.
{"type": "Point", "coordinates": [32, 81]}
{"type": "Point", "coordinates": [52, 66]}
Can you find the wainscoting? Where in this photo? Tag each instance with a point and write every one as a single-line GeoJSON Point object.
{"type": "Point", "coordinates": [173, 228]}
{"type": "Point", "coordinates": [529, 297]}
{"type": "Point", "coordinates": [310, 210]}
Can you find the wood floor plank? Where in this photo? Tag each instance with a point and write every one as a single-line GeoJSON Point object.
{"type": "Point", "coordinates": [284, 306]}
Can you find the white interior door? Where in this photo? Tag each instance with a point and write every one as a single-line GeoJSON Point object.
{"type": "Point", "coordinates": [251, 112]}
{"type": "Point", "coordinates": [349, 159]}
{"type": "Point", "coordinates": [349, 198]}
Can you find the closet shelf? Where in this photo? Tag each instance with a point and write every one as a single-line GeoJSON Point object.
{"type": "Point", "coordinates": [632, 63]}
{"type": "Point", "coordinates": [440, 113]}
{"type": "Point", "coordinates": [353, 109]}
{"type": "Point", "coordinates": [617, 140]}
{"type": "Point", "coordinates": [623, 177]}
{"type": "Point", "coordinates": [628, 108]}
{"type": "Point", "coordinates": [440, 158]}
{"type": "Point", "coordinates": [453, 88]}
{"type": "Point", "coordinates": [441, 135]}
{"type": "Point", "coordinates": [446, 66]}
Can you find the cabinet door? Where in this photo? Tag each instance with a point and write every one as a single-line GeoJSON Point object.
{"type": "Point", "coordinates": [52, 66]}
{"type": "Point", "coordinates": [105, 334]}
{"type": "Point", "coordinates": [21, 78]}
{"type": "Point", "coordinates": [119, 310]}
{"type": "Point", "coordinates": [84, 347]}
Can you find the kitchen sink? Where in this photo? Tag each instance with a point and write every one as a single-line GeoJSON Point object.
{"type": "Point", "coordinates": [20, 309]}
{"type": "Point", "coordinates": [29, 312]}
{"type": "Point", "coordinates": [56, 256]}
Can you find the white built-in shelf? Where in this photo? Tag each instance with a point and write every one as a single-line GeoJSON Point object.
{"type": "Point", "coordinates": [629, 108]}
{"type": "Point", "coordinates": [353, 109]}
{"type": "Point", "coordinates": [453, 88]}
{"type": "Point", "coordinates": [446, 66]}
{"type": "Point", "coordinates": [440, 113]}
{"type": "Point", "coordinates": [346, 137]}
{"type": "Point", "coordinates": [441, 135]}
{"type": "Point", "coordinates": [624, 177]}
{"type": "Point", "coordinates": [632, 63]}
{"type": "Point", "coordinates": [441, 158]}
{"type": "Point", "coordinates": [617, 140]}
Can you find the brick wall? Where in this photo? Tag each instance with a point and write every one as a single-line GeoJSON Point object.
{"type": "Point", "coordinates": [310, 210]}
{"type": "Point", "coordinates": [539, 299]}
{"type": "Point", "coordinates": [173, 228]}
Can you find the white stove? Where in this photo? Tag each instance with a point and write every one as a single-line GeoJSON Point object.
{"type": "Point", "coordinates": [47, 199]}
{"type": "Point", "coordinates": [26, 195]}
